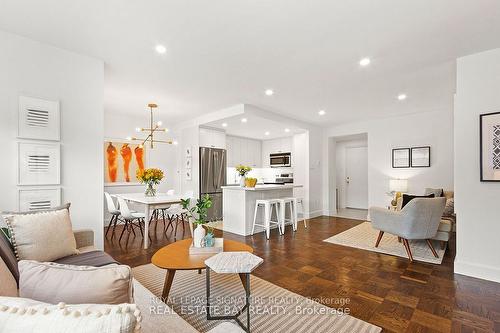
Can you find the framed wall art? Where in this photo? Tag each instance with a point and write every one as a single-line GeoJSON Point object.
{"type": "Point", "coordinates": [489, 147]}
{"type": "Point", "coordinates": [122, 159]}
{"type": "Point", "coordinates": [33, 199]}
{"type": "Point", "coordinates": [401, 158]}
{"type": "Point", "coordinates": [421, 157]}
{"type": "Point", "coordinates": [39, 163]}
{"type": "Point", "coordinates": [38, 119]}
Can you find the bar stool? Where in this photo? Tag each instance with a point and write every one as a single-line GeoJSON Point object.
{"type": "Point", "coordinates": [268, 205]}
{"type": "Point", "coordinates": [296, 203]}
{"type": "Point", "coordinates": [292, 204]}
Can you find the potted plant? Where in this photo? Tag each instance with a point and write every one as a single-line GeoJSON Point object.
{"type": "Point", "coordinates": [151, 177]}
{"type": "Point", "coordinates": [198, 215]}
{"type": "Point", "coordinates": [242, 171]}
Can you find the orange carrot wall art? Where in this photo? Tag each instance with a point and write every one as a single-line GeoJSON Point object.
{"type": "Point", "coordinates": [121, 162]}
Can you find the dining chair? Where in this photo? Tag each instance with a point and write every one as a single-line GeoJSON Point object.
{"type": "Point", "coordinates": [114, 212]}
{"type": "Point", "coordinates": [132, 219]}
{"type": "Point", "coordinates": [178, 214]}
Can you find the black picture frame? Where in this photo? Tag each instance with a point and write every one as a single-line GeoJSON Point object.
{"type": "Point", "coordinates": [482, 146]}
{"type": "Point", "coordinates": [395, 150]}
{"type": "Point", "coordinates": [426, 164]}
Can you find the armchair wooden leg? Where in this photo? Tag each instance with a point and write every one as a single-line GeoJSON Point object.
{"type": "Point", "coordinates": [443, 245]}
{"type": "Point", "coordinates": [399, 239]}
{"type": "Point", "coordinates": [408, 250]}
{"type": "Point", "coordinates": [429, 242]}
{"type": "Point", "coordinates": [379, 238]}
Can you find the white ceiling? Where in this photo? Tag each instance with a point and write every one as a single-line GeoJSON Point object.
{"type": "Point", "coordinates": [225, 52]}
{"type": "Point", "coordinates": [255, 127]}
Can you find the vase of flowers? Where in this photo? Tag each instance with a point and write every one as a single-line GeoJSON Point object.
{"type": "Point", "coordinates": [198, 214]}
{"type": "Point", "coordinates": [151, 177]}
{"type": "Point", "coordinates": [242, 171]}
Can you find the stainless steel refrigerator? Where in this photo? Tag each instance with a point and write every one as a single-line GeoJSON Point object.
{"type": "Point", "coordinates": [212, 177]}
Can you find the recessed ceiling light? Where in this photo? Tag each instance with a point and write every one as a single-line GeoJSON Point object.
{"type": "Point", "coordinates": [364, 62]}
{"type": "Point", "coordinates": [269, 92]}
{"type": "Point", "coordinates": [321, 112]}
{"type": "Point", "coordinates": [224, 124]}
{"type": "Point", "coordinates": [244, 120]}
{"type": "Point", "coordinates": [287, 130]}
{"type": "Point", "coordinates": [267, 133]}
{"type": "Point", "coordinates": [160, 49]}
{"type": "Point", "coordinates": [402, 97]}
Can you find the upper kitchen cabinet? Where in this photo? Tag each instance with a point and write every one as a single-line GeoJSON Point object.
{"type": "Point", "coordinates": [280, 145]}
{"type": "Point", "coordinates": [212, 138]}
{"type": "Point", "coordinates": [243, 151]}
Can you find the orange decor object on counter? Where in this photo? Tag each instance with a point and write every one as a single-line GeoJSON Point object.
{"type": "Point", "coordinates": [111, 153]}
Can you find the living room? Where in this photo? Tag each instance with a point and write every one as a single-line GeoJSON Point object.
{"type": "Point", "coordinates": [115, 116]}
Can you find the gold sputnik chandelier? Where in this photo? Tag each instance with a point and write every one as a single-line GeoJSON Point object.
{"type": "Point", "coordinates": [153, 129]}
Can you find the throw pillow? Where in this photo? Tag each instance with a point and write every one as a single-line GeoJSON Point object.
{"type": "Point", "coordinates": [25, 315]}
{"type": "Point", "coordinates": [8, 256]}
{"type": "Point", "coordinates": [449, 209]}
{"type": "Point", "coordinates": [438, 192]}
{"type": "Point", "coordinates": [407, 198]}
{"type": "Point", "coordinates": [54, 283]}
{"type": "Point", "coordinates": [42, 236]}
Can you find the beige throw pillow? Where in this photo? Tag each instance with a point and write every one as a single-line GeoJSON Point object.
{"type": "Point", "coordinates": [42, 236]}
{"type": "Point", "coordinates": [54, 283]}
{"type": "Point", "coordinates": [25, 315]}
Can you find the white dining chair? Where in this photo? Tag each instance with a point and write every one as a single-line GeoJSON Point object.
{"type": "Point", "coordinates": [130, 218]}
{"type": "Point", "coordinates": [113, 211]}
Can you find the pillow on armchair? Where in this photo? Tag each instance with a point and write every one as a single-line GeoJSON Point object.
{"type": "Point", "coordinates": [41, 235]}
{"type": "Point", "coordinates": [407, 198]}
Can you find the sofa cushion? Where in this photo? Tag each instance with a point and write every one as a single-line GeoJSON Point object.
{"type": "Point", "coordinates": [407, 198]}
{"type": "Point", "coordinates": [449, 209]}
{"type": "Point", "coordinates": [438, 192]}
{"type": "Point", "coordinates": [8, 285]}
{"type": "Point", "coordinates": [445, 225]}
{"type": "Point", "coordinates": [8, 256]}
{"type": "Point", "coordinates": [80, 318]}
{"type": "Point", "coordinates": [54, 283]}
{"type": "Point", "coordinates": [42, 236]}
{"type": "Point", "coordinates": [90, 258]}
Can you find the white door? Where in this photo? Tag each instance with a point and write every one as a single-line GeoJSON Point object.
{"type": "Point", "coordinates": [356, 171]}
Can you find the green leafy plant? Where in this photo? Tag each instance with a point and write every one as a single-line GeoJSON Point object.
{"type": "Point", "coordinates": [197, 212]}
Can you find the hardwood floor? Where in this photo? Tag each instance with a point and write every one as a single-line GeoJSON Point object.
{"type": "Point", "coordinates": [384, 290]}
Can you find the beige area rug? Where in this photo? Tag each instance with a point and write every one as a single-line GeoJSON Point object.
{"type": "Point", "coordinates": [363, 236]}
{"type": "Point", "coordinates": [273, 309]}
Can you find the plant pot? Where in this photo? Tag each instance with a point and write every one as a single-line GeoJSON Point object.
{"type": "Point", "coordinates": [150, 190]}
{"type": "Point", "coordinates": [242, 181]}
{"type": "Point", "coordinates": [198, 235]}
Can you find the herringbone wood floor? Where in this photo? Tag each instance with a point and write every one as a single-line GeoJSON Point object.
{"type": "Point", "coordinates": [384, 290]}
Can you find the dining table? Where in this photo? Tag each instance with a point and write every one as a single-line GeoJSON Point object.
{"type": "Point", "coordinates": [158, 201]}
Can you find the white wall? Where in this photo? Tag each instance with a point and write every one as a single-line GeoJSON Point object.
{"type": "Point", "coordinates": [433, 129]}
{"type": "Point", "coordinates": [164, 156]}
{"type": "Point", "coordinates": [31, 68]}
{"type": "Point", "coordinates": [476, 203]}
{"type": "Point", "coordinates": [340, 166]}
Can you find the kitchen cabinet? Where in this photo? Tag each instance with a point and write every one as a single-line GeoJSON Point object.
{"type": "Point", "coordinates": [243, 151]}
{"type": "Point", "coordinates": [280, 145]}
{"type": "Point", "coordinates": [212, 138]}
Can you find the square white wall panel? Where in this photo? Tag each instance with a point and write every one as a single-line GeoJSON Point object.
{"type": "Point", "coordinates": [39, 199]}
{"type": "Point", "coordinates": [39, 163]}
{"type": "Point", "coordinates": [38, 119]}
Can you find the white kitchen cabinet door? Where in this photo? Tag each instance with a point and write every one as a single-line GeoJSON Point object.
{"type": "Point", "coordinates": [205, 137]}
{"type": "Point", "coordinates": [230, 151]}
{"type": "Point", "coordinates": [255, 151]}
{"type": "Point", "coordinates": [212, 138]}
{"type": "Point", "coordinates": [219, 139]}
{"type": "Point", "coordinates": [286, 144]}
{"type": "Point", "coordinates": [237, 151]}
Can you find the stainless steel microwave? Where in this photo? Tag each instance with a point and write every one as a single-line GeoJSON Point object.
{"type": "Point", "coordinates": [280, 160]}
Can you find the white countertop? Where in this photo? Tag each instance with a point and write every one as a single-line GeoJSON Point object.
{"type": "Point", "coordinates": [261, 187]}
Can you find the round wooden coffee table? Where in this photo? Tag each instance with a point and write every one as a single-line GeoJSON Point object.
{"type": "Point", "coordinates": [176, 256]}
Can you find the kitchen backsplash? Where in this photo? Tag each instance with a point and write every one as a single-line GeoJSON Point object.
{"type": "Point", "coordinates": [262, 174]}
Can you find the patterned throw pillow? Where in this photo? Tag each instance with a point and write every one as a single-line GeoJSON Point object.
{"type": "Point", "coordinates": [449, 209]}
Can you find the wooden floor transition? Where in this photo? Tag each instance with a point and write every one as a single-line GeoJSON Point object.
{"type": "Point", "coordinates": [384, 290]}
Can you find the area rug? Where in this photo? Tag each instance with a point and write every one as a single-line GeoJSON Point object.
{"type": "Point", "coordinates": [363, 236]}
{"type": "Point", "coordinates": [273, 308]}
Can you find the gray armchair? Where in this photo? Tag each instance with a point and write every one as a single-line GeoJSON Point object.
{"type": "Point", "coordinates": [419, 219]}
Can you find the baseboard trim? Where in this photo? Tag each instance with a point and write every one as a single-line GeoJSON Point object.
{"type": "Point", "coordinates": [484, 272]}
{"type": "Point", "coordinates": [314, 214]}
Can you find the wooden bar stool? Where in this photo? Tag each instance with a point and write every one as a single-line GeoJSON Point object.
{"type": "Point", "coordinates": [268, 205]}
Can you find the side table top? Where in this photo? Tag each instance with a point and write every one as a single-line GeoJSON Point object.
{"type": "Point", "coordinates": [234, 262]}
{"type": "Point", "coordinates": [176, 255]}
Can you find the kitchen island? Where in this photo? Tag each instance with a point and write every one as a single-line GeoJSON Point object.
{"type": "Point", "coordinates": [239, 205]}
